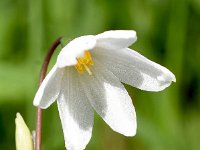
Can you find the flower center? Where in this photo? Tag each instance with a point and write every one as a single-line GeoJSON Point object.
{"type": "Point", "coordinates": [84, 63]}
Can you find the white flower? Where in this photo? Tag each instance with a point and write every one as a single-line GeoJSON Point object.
{"type": "Point", "coordinates": [87, 76]}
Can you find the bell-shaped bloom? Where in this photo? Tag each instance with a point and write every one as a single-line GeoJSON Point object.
{"type": "Point", "coordinates": [88, 77]}
{"type": "Point", "coordinates": [23, 136]}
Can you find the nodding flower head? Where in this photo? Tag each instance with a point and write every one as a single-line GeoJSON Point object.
{"type": "Point", "coordinates": [88, 76]}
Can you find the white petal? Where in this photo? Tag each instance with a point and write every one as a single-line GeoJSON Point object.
{"type": "Point", "coordinates": [110, 99]}
{"type": "Point", "coordinates": [74, 49]}
{"type": "Point", "coordinates": [134, 69]}
{"type": "Point", "coordinates": [75, 112]}
{"type": "Point", "coordinates": [116, 39]}
{"type": "Point", "coordinates": [49, 89]}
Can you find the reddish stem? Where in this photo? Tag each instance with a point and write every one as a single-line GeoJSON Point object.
{"type": "Point", "coordinates": [38, 138]}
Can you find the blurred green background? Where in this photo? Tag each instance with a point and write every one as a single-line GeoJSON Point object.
{"type": "Point", "coordinates": [168, 33]}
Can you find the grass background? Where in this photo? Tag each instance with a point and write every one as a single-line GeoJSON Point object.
{"type": "Point", "coordinates": [168, 33]}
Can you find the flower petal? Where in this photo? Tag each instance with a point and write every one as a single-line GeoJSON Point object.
{"type": "Point", "coordinates": [134, 69]}
{"type": "Point", "coordinates": [49, 89]}
{"type": "Point", "coordinates": [116, 39]}
{"type": "Point", "coordinates": [75, 112]}
{"type": "Point", "coordinates": [74, 49]}
{"type": "Point", "coordinates": [110, 99]}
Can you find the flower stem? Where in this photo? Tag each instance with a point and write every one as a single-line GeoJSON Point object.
{"type": "Point", "coordinates": [38, 138]}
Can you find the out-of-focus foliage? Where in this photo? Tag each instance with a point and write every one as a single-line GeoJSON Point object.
{"type": "Point", "coordinates": [168, 33]}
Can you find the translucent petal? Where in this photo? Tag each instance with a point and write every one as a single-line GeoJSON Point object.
{"type": "Point", "coordinates": [134, 69]}
{"type": "Point", "coordinates": [74, 49]}
{"type": "Point", "coordinates": [49, 89]}
{"type": "Point", "coordinates": [75, 112]}
{"type": "Point", "coordinates": [110, 100]}
{"type": "Point", "coordinates": [116, 39]}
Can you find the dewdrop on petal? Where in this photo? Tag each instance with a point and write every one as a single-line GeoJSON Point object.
{"type": "Point", "coordinates": [23, 136]}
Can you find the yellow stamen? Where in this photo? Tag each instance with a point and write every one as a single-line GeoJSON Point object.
{"type": "Point", "coordinates": [84, 63]}
{"type": "Point", "coordinates": [87, 69]}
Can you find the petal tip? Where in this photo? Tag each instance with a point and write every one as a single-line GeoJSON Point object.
{"type": "Point", "coordinates": [130, 132]}
{"type": "Point", "coordinates": [36, 103]}
{"type": "Point", "coordinates": [174, 78]}
{"type": "Point", "coordinates": [167, 77]}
